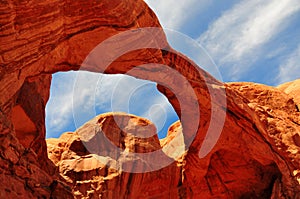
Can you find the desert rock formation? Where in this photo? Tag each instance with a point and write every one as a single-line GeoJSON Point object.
{"type": "Point", "coordinates": [256, 155]}
{"type": "Point", "coordinates": [292, 88]}
{"type": "Point", "coordinates": [104, 173]}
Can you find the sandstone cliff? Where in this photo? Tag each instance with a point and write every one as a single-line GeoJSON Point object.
{"type": "Point", "coordinates": [256, 155]}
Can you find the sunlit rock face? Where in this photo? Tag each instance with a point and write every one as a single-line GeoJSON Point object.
{"type": "Point", "coordinates": [292, 88]}
{"type": "Point", "coordinates": [101, 173]}
{"type": "Point", "coordinates": [256, 155]}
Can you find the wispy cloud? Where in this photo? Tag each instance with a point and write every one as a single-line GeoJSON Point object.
{"type": "Point", "coordinates": [77, 97]}
{"type": "Point", "coordinates": [236, 38]}
{"type": "Point", "coordinates": [173, 14]}
{"type": "Point", "coordinates": [71, 101]}
{"type": "Point", "coordinates": [139, 97]}
{"type": "Point", "coordinates": [289, 69]}
{"type": "Point", "coordinates": [59, 106]}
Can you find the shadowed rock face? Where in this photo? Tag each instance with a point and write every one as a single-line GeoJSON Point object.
{"type": "Point", "coordinates": [257, 154]}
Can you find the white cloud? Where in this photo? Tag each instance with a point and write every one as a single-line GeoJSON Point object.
{"type": "Point", "coordinates": [122, 90]}
{"type": "Point", "coordinates": [76, 96]}
{"type": "Point", "coordinates": [158, 112]}
{"type": "Point", "coordinates": [58, 112]}
{"type": "Point", "coordinates": [289, 69]}
{"type": "Point", "coordinates": [139, 97]}
{"type": "Point", "coordinates": [173, 14]}
{"type": "Point", "coordinates": [72, 98]}
{"type": "Point", "coordinates": [237, 36]}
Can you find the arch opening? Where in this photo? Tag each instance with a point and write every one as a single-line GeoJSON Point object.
{"type": "Point", "coordinates": [71, 104]}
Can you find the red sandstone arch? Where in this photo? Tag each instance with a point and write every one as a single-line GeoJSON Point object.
{"type": "Point", "coordinates": [60, 38]}
{"type": "Point", "coordinates": [40, 38]}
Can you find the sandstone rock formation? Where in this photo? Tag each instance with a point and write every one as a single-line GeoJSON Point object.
{"type": "Point", "coordinates": [253, 159]}
{"type": "Point", "coordinates": [103, 173]}
{"type": "Point", "coordinates": [292, 88]}
{"type": "Point", "coordinates": [257, 153]}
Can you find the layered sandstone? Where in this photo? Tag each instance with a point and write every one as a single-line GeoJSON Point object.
{"type": "Point", "coordinates": [256, 155]}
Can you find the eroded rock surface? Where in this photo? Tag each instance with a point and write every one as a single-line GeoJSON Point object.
{"type": "Point", "coordinates": [256, 155]}
{"type": "Point", "coordinates": [292, 88]}
{"type": "Point", "coordinates": [89, 161]}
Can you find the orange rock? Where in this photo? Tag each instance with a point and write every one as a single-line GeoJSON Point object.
{"type": "Point", "coordinates": [256, 155]}
{"type": "Point", "coordinates": [292, 88]}
{"type": "Point", "coordinates": [95, 169]}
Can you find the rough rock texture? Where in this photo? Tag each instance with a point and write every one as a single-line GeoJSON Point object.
{"type": "Point", "coordinates": [292, 88]}
{"type": "Point", "coordinates": [279, 123]}
{"type": "Point", "coordinates": [38, 38]}
{"type": "Point", "coordinates": [256, 155]}
{"type": "Point", "coordinates": [95, 175]}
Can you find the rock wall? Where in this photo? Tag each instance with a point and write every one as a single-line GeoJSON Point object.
{"type": "Point", "coordinates": [255, 156]}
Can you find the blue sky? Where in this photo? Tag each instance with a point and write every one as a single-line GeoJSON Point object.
{"type": "Point", "coordinates": [248, 40]}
